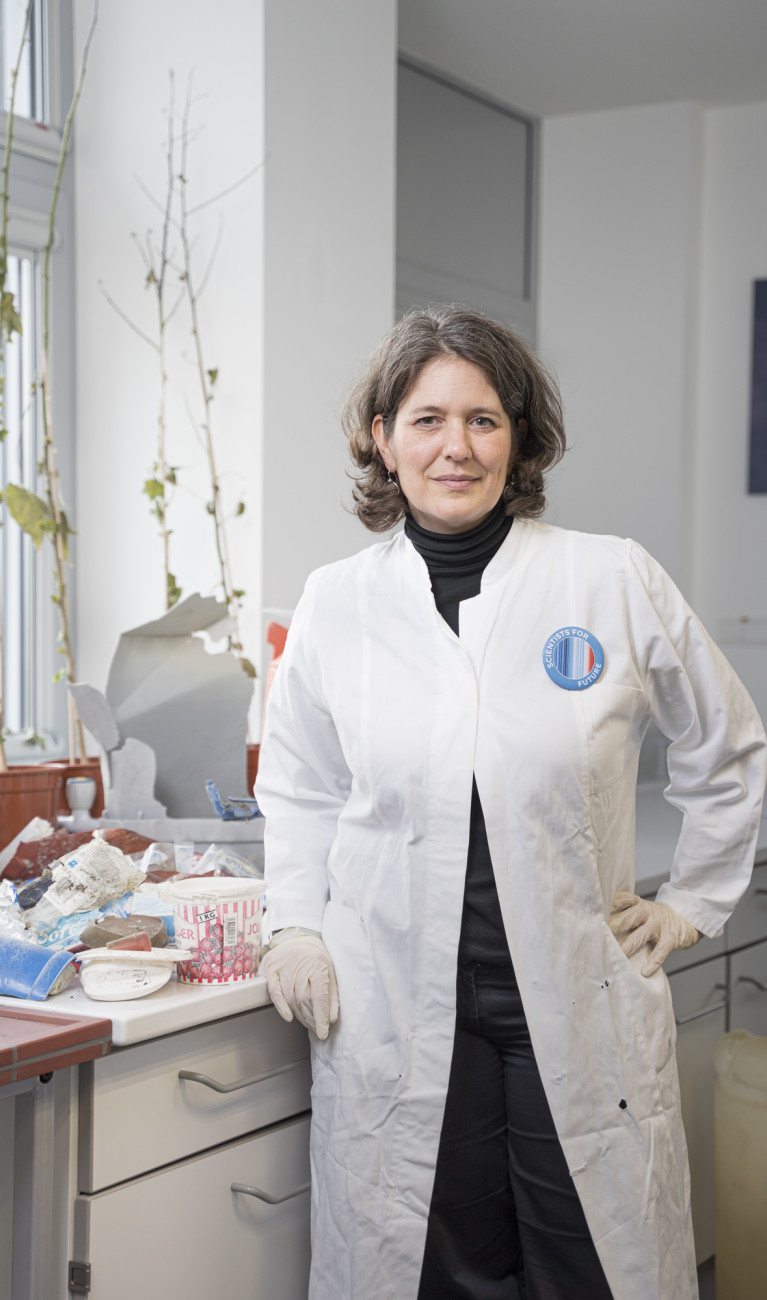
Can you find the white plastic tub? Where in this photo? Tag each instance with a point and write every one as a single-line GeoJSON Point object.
{"type": "Point", "coordinates": [219, 919]}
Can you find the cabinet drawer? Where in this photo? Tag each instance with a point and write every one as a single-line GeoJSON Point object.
{"type": "Point", "coordinates": [184, 1232]}
{"type": "Point", "coordinates": [137, 1114]}
{"type": "Point", "coordinates": [749, 920]}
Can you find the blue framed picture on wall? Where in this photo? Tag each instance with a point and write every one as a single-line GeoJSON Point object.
{"type": "Point", "coordinates": [757, 461]}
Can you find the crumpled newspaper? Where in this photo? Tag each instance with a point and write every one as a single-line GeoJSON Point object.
{"type": "Point", "coordinates": [11, 915]}
{"type": "Point", "coordinates": [86, 879]}
{"type": "Point", "coordinates": [224, 861]}
{"type": "Point", "coordinates": [64, 931]}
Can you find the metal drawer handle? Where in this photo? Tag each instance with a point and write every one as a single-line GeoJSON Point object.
{"type": "Point", "coordinates": [706, 1011]}
{"type": "Point", "coordinates": [207, 1082]}
{"type": "Point", "coordinates": [264, 1196]}
{"type": "Point", "coordinates": [760, 891]}
{"type": "Point", "coordinates": [749, 979]}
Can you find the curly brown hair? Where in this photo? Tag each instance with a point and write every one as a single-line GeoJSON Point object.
{"type": "Point", "coordinates": [526, 391]}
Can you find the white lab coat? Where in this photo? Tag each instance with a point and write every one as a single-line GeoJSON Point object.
{"type": "Point", "coordinates": [377, 720]}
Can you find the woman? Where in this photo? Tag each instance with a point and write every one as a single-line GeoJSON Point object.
{"type": "Point", "coordinates": [448, 777]}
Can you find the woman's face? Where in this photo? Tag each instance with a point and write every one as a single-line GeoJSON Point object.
{"type": "Point", "coordinates": [451, 447]}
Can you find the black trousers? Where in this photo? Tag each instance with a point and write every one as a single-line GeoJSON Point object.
{"type": "Point", "coordinates": [505, 1218]}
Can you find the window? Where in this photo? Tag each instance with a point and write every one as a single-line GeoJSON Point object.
{"type": "Point", "coordinates": [32, 82]}
{"type": "Point", "coordinates": [19, 454]}
{"type": "Point", "coordinates": [33, 703]}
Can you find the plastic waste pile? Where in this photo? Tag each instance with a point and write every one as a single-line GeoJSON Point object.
{"type": "Point", "coordinates": [99, 902]}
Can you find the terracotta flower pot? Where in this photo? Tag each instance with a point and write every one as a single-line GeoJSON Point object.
{"type": "Point", "coordinates": [27, 791]}
{"type": "Point", "coordinates": [38, 790]}
{"type": "Point", "coordinates": [252, 766]}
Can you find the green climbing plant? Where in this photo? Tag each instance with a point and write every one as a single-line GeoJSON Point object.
{"type": "Point", "coordinates": [10, 323]}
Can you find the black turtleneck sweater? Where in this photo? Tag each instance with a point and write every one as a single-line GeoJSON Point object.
{"type": "Point", "coordinates": [456, 562]}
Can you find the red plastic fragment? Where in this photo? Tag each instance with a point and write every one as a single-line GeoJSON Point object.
{"type": "Point", "coordinates": [138, 942]}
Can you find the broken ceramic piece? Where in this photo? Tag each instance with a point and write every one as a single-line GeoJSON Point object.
{"type": "Point", "coordinates": [174, 715]}
{"type": "Point", "coordinates": [110, 976]}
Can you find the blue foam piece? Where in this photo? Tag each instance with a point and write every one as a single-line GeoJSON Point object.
{"type": "Point", "coordinates": [27, 970]}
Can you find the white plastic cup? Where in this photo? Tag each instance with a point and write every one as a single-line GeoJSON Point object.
{"type": "Point", "coordinates": [219, 919]}
{"type": "Point", "coordinates": [80, 791]}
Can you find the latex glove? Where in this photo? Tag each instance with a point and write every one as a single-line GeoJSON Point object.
{"type": "Point", "coordinates": [302, 982]}
{"type": "Point", "coordinates": [636, 921]}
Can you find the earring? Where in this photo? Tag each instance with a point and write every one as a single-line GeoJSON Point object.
{"type": "Point", "coordinates": [391, 479]}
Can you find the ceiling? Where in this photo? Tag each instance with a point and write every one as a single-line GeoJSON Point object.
{"type": "Point", "coordinates": [549, 57]}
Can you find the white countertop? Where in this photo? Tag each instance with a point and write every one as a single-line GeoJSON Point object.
{"type": "Point", "coordinates": [176, 1006]}
{"type": "Point", "coordinates": [181, 1006]}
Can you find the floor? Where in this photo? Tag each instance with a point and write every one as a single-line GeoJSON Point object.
{"type": "Point", "coordinates": [706, 1280]}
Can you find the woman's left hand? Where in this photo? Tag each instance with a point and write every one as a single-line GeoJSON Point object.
{"type": "Point", "coordinates": [636, 921]}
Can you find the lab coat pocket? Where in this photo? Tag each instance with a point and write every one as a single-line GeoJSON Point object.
{"type": "Point", "coordinates": [346, 939]}
{"type": "Point", "coordinates": [649, 1003]}
{"type": "Point", "coordinates": [387, 899]}
{"type": "Point", "coordinates": [376, 888]}
{"type": "Point", "coordinates": [668, 1082]}
{"type": "Point", "coordinates": [654, 996]}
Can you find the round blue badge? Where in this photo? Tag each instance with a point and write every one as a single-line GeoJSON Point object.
{"type": "Point", "coordinates": [573, 658]}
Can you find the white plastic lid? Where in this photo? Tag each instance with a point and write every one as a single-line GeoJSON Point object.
{"type": "Point", "coordinates": [115, 956]}
{"type": "Point", "coordinates": [216, 889]}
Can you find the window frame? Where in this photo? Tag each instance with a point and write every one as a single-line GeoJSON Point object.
{"type": "Point", "coordinates": [34, 161]}
{"type": "Point", "coordinates": [417, 284]}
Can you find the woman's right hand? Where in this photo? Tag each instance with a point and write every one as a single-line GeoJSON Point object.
{"type": "Point", "coordinates": [301, 981]}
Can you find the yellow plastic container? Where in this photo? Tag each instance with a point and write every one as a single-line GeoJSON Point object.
{"type": "Point", "coordinates": [741, 1166]}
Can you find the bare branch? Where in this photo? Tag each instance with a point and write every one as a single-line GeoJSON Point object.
{"type": "Point", "coordinates": [124, 316]}
{"type": "Point", "coordinates": [175, 307]}
{"type": "Point", "coordinates": [148, 194]}
{"type": "Point", "coordinates": [196, 430]}
{"type": "Point", "coordinates": [4, 199]}
{"type": "Point", "coordinates": [60, 533]}
{"type": "Point", "coordinates": [211, 259]}
{"type": "Point", "coordinates": [144, 253]}
{"type": "Point", "coordinates": [229, 190]}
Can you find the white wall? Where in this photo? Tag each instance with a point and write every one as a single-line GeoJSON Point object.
{"type": "Point", "coordinates": [653, 226]}
{"type": "Point", "coordinates": [620, 204]}
{"type": "Point", "coordinates": [651, 232]}
{"type": "Point", "coordinates": [120, 132]}
{"type": "Point", "coordinates": [301, 291]}
{"type": "Point", "coordinates": [329, 275]}
{"type": "Point", "coordinates": [731, 526]}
